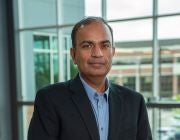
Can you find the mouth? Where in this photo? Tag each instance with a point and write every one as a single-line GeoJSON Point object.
{"type": "Point", "coordinates": [97, 65]}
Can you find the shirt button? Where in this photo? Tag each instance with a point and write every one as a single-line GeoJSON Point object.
{"type": "Point", "coordinates": [101, 128]}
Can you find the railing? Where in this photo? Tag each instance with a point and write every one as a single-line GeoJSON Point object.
{"type": "Point", "coordinates": [164, 119]}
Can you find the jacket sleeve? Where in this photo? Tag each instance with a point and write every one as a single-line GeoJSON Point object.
{"type": "Point", "coordinates": [144, 130]}
{"type": "Point", "coordinates": [44, 124]}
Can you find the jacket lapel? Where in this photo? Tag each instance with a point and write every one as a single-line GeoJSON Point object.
{"type": "Point", "coordinates": [115, 113]}
{"type": "Point", "coordinates": [83, 104]}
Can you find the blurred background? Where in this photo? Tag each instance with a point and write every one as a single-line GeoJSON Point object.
{"type": "Point", "coordinates": [34, 52]}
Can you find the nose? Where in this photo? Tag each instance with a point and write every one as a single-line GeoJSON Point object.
{"type": "Point", "coordinates": [96, 51]}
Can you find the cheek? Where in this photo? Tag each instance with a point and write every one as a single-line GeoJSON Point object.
{"type": "Point", "coordinates": [81, 58]}
{"type": "Point", "coordinates": [109, 58]}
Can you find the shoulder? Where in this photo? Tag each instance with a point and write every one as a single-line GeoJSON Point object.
{"type": "Point", "coordinates": [54, 92]}
{"type": "Point", "coordinates": [129, 99]}
{"type": "Point", "coordinates": [125, 93]}
{"type": "Point", "coordinates": [55, 87]}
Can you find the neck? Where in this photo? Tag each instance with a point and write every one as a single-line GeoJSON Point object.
{"type": "Point", "coordinates": [98, 83]}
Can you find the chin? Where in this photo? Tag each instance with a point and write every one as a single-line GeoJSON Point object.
{"type": "Point", "coordinates": [99, 74]}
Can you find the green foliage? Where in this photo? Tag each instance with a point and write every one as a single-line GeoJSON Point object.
{"type": "Point", "coordinates": [176, 111]}
{"type": "Point", "coordinates": [177, 97]}
{"type": "Point", "coordinates": [42, 79]}
{"type": "Point", "coordinates": [74, 70]}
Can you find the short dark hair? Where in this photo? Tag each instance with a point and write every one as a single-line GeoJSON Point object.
{"type": "Point", "coordinates": [86, 21]}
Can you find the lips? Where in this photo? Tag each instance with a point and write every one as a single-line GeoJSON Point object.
{"type": "Point", "coordinates": [97, 63]}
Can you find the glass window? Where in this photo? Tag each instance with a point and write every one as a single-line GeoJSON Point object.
{"type": "Point", "coordinates": [118, 9]}
{"type": "Point", "coordinates": [41, 42]}
{"type": "Point", "coordinates": [54, 44]}
{"type": "Point", "coordinates": [43, 55]}
{"type": "Point", "coordinates": [146, 84]}
{"type": "Point", "coordinates": [55, 68]}
{"type": "Point", "coordinates": [178, 59]}
{"type": "Point", "coordinates": [24, 116]}
{"type": "Point", "coordinates": [132, 30]}
{"type": "Point", "coordinates": [167, 127]}
{"type": "Point", "coordinates": [70, 11]}
{"type": "Point", "coordinates": [44, 12]}
{"type": "Point", "coordinates": [129, 82]}
{"type": "Point", "coordinates": [133, 60]}
{"type": "Point", "coordinates": [166, 86]}
{"type": "Point", "coordinates": [178, 86]}
{"type": "Point", "coordinates": [168, 6]}
{"type": "Point", "coordinates": [70, 69]}
{"type": "Point", "coordinates": [42, 69]}
{"type": "Point", "coordinates": [93, 8]}
{"type": "Point", "coordinates": [37, 13]}
{"type": "Point", "coordinates": [170, 66]}
{"type": "Point", "coordinates": [38, 63]}
{"type": "Point", "coordinates": [168, 27]}
{"type": "Point", "coordinates": [166, 59]}
{"type": "Point", "coordinates": [45, 60]}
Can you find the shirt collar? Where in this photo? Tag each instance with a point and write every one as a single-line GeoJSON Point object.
{"type": "Point", "coordinates": [91, 92]}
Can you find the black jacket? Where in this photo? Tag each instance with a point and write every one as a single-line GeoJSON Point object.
{"type": "Point", "coordinates": [63, 112]}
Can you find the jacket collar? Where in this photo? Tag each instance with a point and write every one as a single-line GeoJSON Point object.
{"type": "Point", "coordinates": [82, 103]}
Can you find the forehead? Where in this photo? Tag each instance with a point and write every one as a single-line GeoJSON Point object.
{"type": "Point", "coordinates": [93, 30]}
{"type": "Point", "coordinates": [93, 26]}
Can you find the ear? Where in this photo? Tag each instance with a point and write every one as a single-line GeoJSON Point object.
{"type": "Point", "coordinates": [73, 54]}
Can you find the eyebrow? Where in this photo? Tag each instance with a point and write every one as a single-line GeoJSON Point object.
{"type": "Point", "coordinates": [86, 41]}
{"type": "Point", "coordinates": [106, 41]}
{"type": "Point", "coordinates": [90, 42]}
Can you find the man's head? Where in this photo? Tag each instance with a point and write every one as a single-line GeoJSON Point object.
{"type": "Point", "coordinates": [92, 50]}
{"type": "Point", "coordinates": [86, 21]}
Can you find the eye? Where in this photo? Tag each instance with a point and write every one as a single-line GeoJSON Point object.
{"type": "Point", "coordinates": [86, 45]}
{"type": "Point", "coordinates": [106, 45]}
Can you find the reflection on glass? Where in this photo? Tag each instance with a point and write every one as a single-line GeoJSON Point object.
{"type": "Point", "coordinates": [178, 86]}
{"type": "Point", "coordinates": [170, 68]}
{"type": "Point", "coordinates": [54, 43]}
{"type": "Point", "coordinates": [146, 84]}
{"type": "Point", "coordinates": [41, 42]}
{"type": "Point", "coordinates": [168, 6]}
{"type": "Point", "coordinates": [70, 70]}
{"type": "Point", "coordinates": [56, 67]}
{"type": "Point", "coordinates": [45, 60]}
{"type": "Point", "coordinates": [117, 9]}
{"type": "Point", "coordinates": [132, 66]}
{"type": "Point", "coordinates": [42, 69]}
{"type": "Point", "coordinates": [129, 82]}
{"type": "Point", "coordinates": [132, 30]}
{"type": "Point", "coordinates": [168, 27]}
{"type": "Point", "coordinates": [166, 86]}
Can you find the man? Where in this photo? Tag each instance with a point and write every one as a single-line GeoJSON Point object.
{"type": "Point", "coordinates": [89, 107]}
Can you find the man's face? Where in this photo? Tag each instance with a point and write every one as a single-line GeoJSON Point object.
{"type": "Point", "coordinates": [93, 51]}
